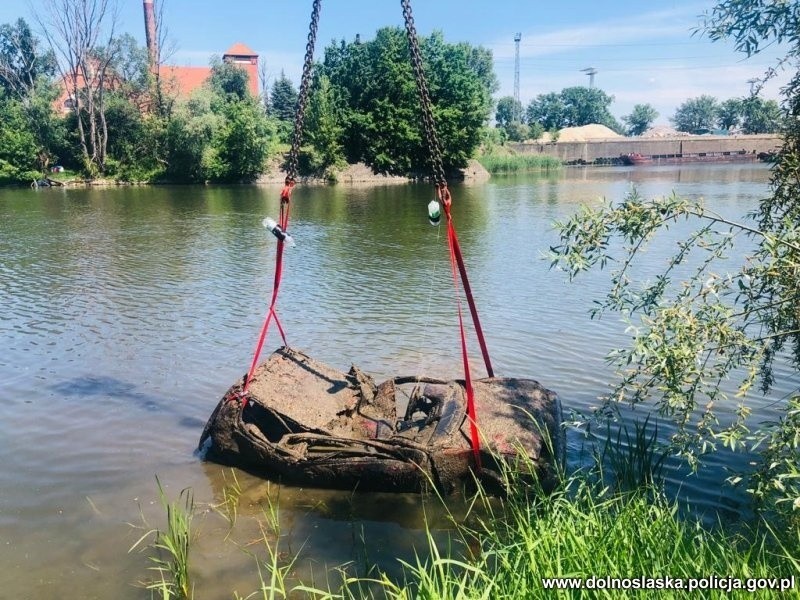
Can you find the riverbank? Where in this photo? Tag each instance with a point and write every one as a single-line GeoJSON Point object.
{"type": "Point", "coordinates": [353, 174]}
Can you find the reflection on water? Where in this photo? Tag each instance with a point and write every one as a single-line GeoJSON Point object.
{"type": "Point", "coordinates": [127, 312]}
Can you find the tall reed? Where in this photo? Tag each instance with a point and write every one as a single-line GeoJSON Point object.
{"type": "Point", "coordinates": [171, 547]}
{"type": "Point", "coordinates": [513, 163]}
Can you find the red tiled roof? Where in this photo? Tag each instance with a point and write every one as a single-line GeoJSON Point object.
{"type": "Point", "coordinates": [239, 49]}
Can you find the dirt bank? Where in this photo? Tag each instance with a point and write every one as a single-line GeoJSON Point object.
{"type": "Point", "coordinates": [360, 173]}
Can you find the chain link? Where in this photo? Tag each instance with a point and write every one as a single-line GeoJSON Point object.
{"type": "Point", "coordinates": [434, 149]}
{"type": "Point", "coordinates": [302, 95]}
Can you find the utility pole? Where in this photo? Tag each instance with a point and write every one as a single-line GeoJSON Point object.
{"type": "Point", "coordinates": [517, 103]}
{"type": "Point", "coordinates": [591, 72]}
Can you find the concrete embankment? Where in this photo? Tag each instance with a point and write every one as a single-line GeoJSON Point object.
{"type": "Point", "coordinates": [610, 150]}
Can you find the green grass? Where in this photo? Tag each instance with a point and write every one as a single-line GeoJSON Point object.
{"type": "Point", "coordinates": [170, 548]}
{"type": "Point", "coordinates": [581, 532]}
{"type": "Point", "coordinates": [610, 521]}
{"type": "Point", "coordinates": [515, 163]}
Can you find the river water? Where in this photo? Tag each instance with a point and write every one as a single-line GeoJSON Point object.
{"type": "Point", "coordinates": [126, 313]}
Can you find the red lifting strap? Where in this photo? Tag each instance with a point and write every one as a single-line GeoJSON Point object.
{"type": "Point", "coordinates": [283, 223]}
{"type": "Point", "coordinates": [457, 267]}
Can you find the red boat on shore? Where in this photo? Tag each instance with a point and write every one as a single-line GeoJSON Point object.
{"type": "Point", "coordinates": [634, 158]}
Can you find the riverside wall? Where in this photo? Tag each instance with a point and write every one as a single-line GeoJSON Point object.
{"type": "Point", "coordinates": [598, 151]}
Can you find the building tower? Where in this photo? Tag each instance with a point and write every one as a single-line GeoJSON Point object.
{"type": "Point", "coordinates": [517, 103]}
{"type": "Point", "coordinates": [150, 33]}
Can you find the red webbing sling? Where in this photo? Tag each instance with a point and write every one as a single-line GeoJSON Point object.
{"type": "Point", "coordinates": [456, 257]}
{"type": "Point", "coordinates": [286, 193]}
{"type": "Point", "coordinates": [283, 223]}
{"type": "Point", "coordinates": [457, 267]}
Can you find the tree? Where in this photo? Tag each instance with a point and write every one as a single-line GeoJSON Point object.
{"type": "Point", "coordinates": [22, 60]}
{"type": "Point", "coordinates": [508, 117]}
{"type": "Point", "coordinates": [761, 116]}
{"type": "Point", "coordinates": [696, 113]}
{"type": "Point", "coordinates": [379, 104]}
{"type": "Point", "coordinates": [572, 107]}
{"type": "Point", "coordinates": [547, 110]}
{"type": "Point", "coordinates": [722, 320]}
{"type": "Point", "coordinates": [74, 29]}
{"type": "Point", "coordinates": [18, 146]}
{"type": "Point", "coordinates": [584, 106]}
{"type": "Point", "coordinates": [518, 132]}
{"type": "Point", "coordinates": [26, 70]}
{"type": "Point", "coordinates": [641, 119]}
{"type": "Point", "coordinates": [729, 114]}
{"type": "Point", "coordinates": [508, 111]}
{"type": "Point", "coordinates": [228, 79]}
{"type": "Point", "coordinates": [217, 136]}
{"type": "Point", "coordinates": [242, 143]}
{"type": "Point", "coordinates": [283, 99]}
{"type": "Point", "coordinates": [324, 129]}
{"type": "Point", "coordinates": [188, 137]}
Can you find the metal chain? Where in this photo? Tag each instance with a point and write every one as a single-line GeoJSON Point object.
{"type": "Point", "coordinates": [302, 96]}
{"type": "Point", "coordinates": [434, 149]}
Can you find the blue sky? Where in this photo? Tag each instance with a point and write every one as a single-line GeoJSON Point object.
{"type": "Point", "coordinates": [644, 52]}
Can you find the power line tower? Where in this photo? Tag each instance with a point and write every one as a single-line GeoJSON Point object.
{"type": "Point", "coordinates": [517, 104]}
{"type": "Point", "coordinates": [591, 72]}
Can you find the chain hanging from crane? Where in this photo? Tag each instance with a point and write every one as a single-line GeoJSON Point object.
{"type": "Point", "coordinates": [443, 193]}
{"type": "Point", "coordinates": [437, 165]}
{"type": "Point", "coordinates": [281, 231]}
{"type": "Point", "coordinates": [302, 95]}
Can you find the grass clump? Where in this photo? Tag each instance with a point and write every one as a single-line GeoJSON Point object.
{"type": "Point", "coordinates": [170, 548]}
{"type": "Point", "coordinates": [516, 163]}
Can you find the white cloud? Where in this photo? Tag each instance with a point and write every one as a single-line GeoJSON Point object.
{"type": "Point", "coordinates": [636, 28]}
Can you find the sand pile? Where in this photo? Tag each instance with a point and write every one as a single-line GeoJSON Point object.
{"type": "Point", "coordinates": [586, 133]}
{"type": "Point", "coordinates": [662, 131]}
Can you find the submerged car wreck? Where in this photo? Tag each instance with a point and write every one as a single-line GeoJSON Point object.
{"type": "Point", "coordinates": [304, 422]}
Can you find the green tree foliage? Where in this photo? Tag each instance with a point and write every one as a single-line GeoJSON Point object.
{"type": "Point", "coordinates": [228, 79]}
{"type": "Point", "coordinates": [189, 155]}
{"type": "Point", "coordinates": [283, 99]}
{"type": "Point", "coordinates": [518, 132]}
{"type": "Point", "coordinates": [23, 61]}
{"type": "Point", "coordinates": [729, 114]}
{"type": "Point", "coordinates": [761, 116]}
{"type": "Point", "coordinates": [131, 68]}
{"type": "Point", "coordinates": [18, 147]}
{"type": "Point", "coordinates": [572, 107]}
{"type": "Point", "coordinates": [508, 117]}
{"type": "Point", "coordinates": [508, 111]}
{"type": "Point", "coordinates": [722, 321]}
{"type": "Point", "coordinates": [696, 113]}
{"type": "Point", "coordinates": [640, 120]}
{"type": "Point", "coordinates": [26, 70]}
{"type": "Point", "coordinates": [588, 105]}
{"type": "Point", "coordinates": [242, 143]}
{"type": "Point", "coordinates": [216, 136]}
{"type": "Point", "coordinates": [380, 106]}
{"type": "Point", "coordinates": [547, 110]}
{"type": "Point", "coordinates": [324, 129]}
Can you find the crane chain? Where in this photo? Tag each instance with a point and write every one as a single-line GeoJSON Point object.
{"type": "Point", "coordinates": [434, 149]}
{"type": "Point", "coordinates": [302, 95]}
